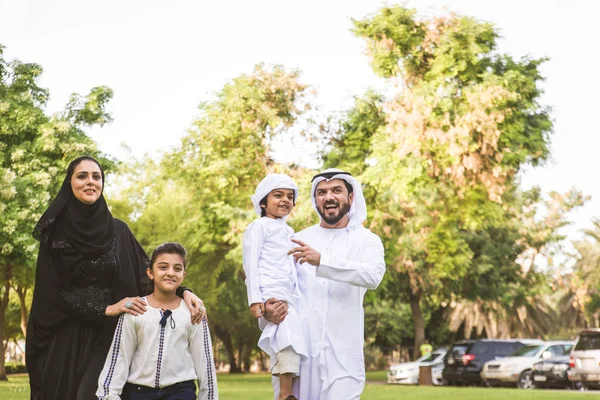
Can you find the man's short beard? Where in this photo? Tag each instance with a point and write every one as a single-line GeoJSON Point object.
{"type": "Point", "coordinates": [334, 220]}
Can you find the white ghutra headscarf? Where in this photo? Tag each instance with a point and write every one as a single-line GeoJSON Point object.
{"type": "Point", "coordinates": [358, 209]}
{"type": "Point", "coordinates": [270, 183]}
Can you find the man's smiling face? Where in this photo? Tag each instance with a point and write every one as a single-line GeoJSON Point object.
{"type": "Point", "coordinates": [333, 202]}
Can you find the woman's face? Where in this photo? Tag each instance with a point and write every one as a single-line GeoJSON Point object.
{"type": "Point", "coordinates": [86, 182]}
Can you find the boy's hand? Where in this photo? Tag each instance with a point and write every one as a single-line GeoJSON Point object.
{"type": "Point", "coordinates": [257, 309]}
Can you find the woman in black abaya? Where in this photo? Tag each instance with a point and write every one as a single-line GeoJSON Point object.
{"type": "Point", "coordinates": [90, 269]}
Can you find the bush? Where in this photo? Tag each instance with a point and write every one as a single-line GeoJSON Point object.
{"type": "Point", "coordinates": [375, 360]}
{"type": "Point", "coordinates": [14, 368]}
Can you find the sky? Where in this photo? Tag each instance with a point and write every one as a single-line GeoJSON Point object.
{"type": "Point", "coordinates": [162, 58]}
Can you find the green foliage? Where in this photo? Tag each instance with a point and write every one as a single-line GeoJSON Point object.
{"type": "Point", "coordinates": [393, 35]}
{"type": "Point", "coordinates": [35, 150]}
{"type": "Point", "coordinates": [388, 325]}
{"type": "Point", "coordinates": [444, 157]}
{"type": "Point", "coordinates": [580, 300]}
{"type": "Point", "coordinates": [12, 321]}
{"type": "Point", "coordinates": [350, 146]}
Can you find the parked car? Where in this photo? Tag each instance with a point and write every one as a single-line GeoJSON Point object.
{"type": "Point", "coordinates": [554, 373]}
{"type": "Point", "coordinates": [585, 358]}
{"type": "Point", "coordinates": [408, 373]}
{"type": "Point", "coordinates": [464, 361]}
{"type": "Point", "coordinates": [517, 368]}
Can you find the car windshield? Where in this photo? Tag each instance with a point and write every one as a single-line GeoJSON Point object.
{"type": "Point", "coordinates": [430, 357]}
{"type": "Point", "coordinates": [458, 350]}
{"type": "Point", "coordinates": [527, 351]}
{"type": "Point", "coordinates": [588, 341]}
{"type": "Point", "coordinates": [496, 349]}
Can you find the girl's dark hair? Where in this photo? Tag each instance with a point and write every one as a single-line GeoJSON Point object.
{"type": "Point", "coordinates": [263, 202]}
{"type": "Point", "coordinates": [165, 248]}
{"type": "Point", "coordinates": [169, 248]}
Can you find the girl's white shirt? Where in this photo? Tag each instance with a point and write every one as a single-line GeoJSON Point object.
{"type": "Point", "coordinates": [145, 353]}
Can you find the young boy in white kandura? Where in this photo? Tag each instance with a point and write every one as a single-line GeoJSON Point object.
{"type": "Point", "coordinates": [271, 273]}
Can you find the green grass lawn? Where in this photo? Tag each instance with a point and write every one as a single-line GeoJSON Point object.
{"type": "Point", "coordinates": [258, 387]}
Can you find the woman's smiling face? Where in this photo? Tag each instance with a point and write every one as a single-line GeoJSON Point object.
{"type": "Point", "coordinates": [86, 182]}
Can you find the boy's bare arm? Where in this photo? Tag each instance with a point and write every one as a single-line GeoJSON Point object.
{"type": "Point", "coordinates": [257, 309]}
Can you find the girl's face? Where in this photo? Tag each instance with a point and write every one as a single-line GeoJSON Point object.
{"type": "Point", "coordinates": [86, 182]}
{"type": "Point", "coordinates": [280, 203]}
{"type": "Point", "coordinates": [167, 272]}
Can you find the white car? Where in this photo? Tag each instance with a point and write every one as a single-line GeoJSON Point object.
{"type": "Point", "coordinates": [517, 369]}
{"type": "Point", "coordinates": [585, 358]}
{"type": "Point", "coordinates": [408, 373]}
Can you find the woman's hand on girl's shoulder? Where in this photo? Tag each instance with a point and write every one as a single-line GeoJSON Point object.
{"type": "Point", "coordinates": [195, 305]}
{"type": "Point", "coordinates": [131, 305]}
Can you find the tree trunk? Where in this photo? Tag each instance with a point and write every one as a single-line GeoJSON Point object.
{"type": "Point", "coordinates": [240, 356]}
{"type": "Point", "coordinates": [418, 322]}
{"type": "Point", "coordinates": [3, 306]}
{"type": "Point", "coordinates": [246, 357]}
{"type": "Point", "coordinates": [263, 361]}
{"type": "Point", "coordinates": [228, 344]}
{"type": "Point", "coordinates": [22, 293]}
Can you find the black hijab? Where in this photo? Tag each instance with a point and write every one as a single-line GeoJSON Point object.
{"type": "Point", "coordinates": [77, 229]}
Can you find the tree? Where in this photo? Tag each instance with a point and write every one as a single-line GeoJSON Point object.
{"type": "Point", "coordinates": [515, 299]}
{"type": "Point", "coordinates": [462, 123]}
{"type": "Point", "coordinates": [34, 152]}
{"type": "Point", "coordinates": [200, 194]}
{"type": "Point", "coordinates": [580, 303]}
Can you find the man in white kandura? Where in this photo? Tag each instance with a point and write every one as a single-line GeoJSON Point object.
{"type": "Point", "coordinates": [337, 261]}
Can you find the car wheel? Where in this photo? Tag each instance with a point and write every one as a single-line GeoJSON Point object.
{"type": "Point", "coordinates": [579, 386]}
{"type": "Point", "coordinates": [526, 380]}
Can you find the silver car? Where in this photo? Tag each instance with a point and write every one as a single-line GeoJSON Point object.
{"type": "Point", "coordinates": [408, 373]}
{"type": "Point", "coordinates": [585, 358]}
{"type": "Point", "coordinates": [517, 368]}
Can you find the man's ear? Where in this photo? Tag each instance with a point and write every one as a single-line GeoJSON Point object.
{"type": "Point", "coordinates": [351, 198]}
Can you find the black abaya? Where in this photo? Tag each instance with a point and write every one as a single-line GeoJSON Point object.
{"type": "Point", "coordinates": [68, 335]}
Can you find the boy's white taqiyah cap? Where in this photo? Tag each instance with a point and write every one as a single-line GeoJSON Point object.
{"type": "Point", "coordinates": [358, 209]}
{"type": "Point", "coordinates": [270, 183]}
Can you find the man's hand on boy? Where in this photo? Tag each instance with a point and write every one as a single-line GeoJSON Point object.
{"type": "Point", "coordinates": [305, 253]}
{"type": "Point", "coordinates": [257, 309]}
{"type": "Point", "coordinates": [275, 310]}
